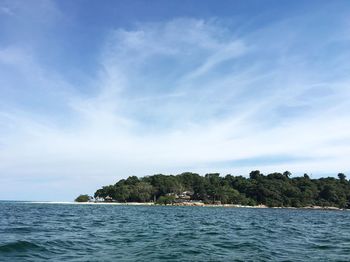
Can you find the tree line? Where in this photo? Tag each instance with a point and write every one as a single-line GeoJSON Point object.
{"type": "Point", "coordinates": [274, 190]}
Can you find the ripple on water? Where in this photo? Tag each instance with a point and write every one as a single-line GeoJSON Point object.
{"type": "Point", "coordinates": [20, 246]}
{"type": "Point", "coordinates": [40, 232]}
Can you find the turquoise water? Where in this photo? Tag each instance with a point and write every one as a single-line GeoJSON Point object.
{"type": "Point", "coordinates": [55, 232]}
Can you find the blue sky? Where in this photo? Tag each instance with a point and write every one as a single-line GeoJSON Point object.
{"type": "Point", "coordinates": [95, 91]}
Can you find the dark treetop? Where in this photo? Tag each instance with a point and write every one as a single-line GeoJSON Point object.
{"type": "Point", "coordinates": [275, 190]}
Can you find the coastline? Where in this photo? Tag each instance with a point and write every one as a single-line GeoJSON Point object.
{"type": "Point", "coordinates": [92, 203]}
{"type": "Point", "coordinates": [184, 204]}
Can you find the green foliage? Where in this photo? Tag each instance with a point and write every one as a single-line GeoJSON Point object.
{"type": "Point", "coordinates": [165, 200]}
{"type": "Point", "coordinates": [82, 198]}
{"type": "Point", "coordinates": [275, 189]}
{"type": "Point", "coordinates": [341, 177]}
{"type": "Point", "coordinates": [142, 192]}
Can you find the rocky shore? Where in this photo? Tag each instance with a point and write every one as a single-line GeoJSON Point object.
{"type": "Point", "coordinates": [257, 206]}
{"type": "Point", "coordinates": [191, 203]}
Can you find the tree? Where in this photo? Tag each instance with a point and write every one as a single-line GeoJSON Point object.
{"type": "Point", "coordinates": [329, 194]}
{"type": "Point", "coordinates": [342, 177]}
{"type": "Point", "coordinates": [132, 180]}
{"type": "Point", "coordinates": [255, 174]}
{"type": "Point", "coordinates": [275, 189]}
{"type": "Point", "coordinates": [121, 193]}
{"type": "Point", "coordinates": [213, 185]}
{"type": "Point", "coordinates": [287, 174]}
{"type": "Point", "coordinates": [82, 198]}
{"type": "Point", "coordinates": [143, 192]}
{"type": "Point", "coordinates": [165, 200]}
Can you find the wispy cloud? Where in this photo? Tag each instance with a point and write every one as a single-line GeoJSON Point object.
{"type": "Point", "coordinates": [175, 95]}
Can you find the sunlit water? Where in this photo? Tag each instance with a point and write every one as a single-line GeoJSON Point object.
{"type": "Point", "coordinates": [57, 232]}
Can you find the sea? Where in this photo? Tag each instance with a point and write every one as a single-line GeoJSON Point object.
{"type": "Point", "coordinates": [70, 232]}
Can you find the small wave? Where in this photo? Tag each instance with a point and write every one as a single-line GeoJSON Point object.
{"type": "Point", "coordinates": [20, 246]}
{"type": "Point", "coordinates": [18, 230]}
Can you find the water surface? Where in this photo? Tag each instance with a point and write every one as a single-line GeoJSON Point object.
{"type": "Point", "coordinates": [59, 232]}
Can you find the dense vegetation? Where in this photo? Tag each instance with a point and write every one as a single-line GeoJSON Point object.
{"type": "Point", "coordinates": [82, 198]}
{"type": "Point", "coordinates": [276, 189]}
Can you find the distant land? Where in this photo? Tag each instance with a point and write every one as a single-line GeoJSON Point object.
{"type": "Point", "coordinates": [259, 190]}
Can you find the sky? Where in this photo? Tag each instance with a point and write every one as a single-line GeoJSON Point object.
{"type": "Point", "coordinates": [95, 91]}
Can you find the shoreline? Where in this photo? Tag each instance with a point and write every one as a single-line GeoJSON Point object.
{"type": "Point", "coordinates": [185, 204]}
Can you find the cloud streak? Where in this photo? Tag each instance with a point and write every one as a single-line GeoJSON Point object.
{"type": "Point", "coordinates": [177, 95]}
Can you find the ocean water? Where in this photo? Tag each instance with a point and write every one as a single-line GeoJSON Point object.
{"type": "Point", "coordinates": [61, 232]}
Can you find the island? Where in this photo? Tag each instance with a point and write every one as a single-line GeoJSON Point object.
{"type": "Point", "coordinates": [256, 190]}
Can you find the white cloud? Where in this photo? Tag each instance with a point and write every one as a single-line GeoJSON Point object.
{"type": "Point", "coordinates": [183, 94]}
